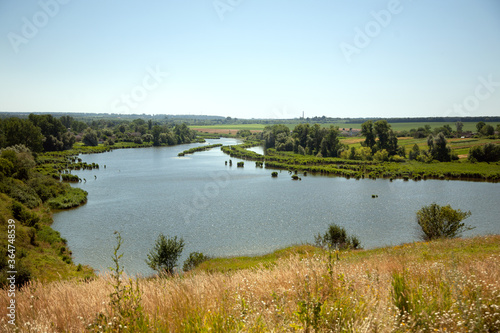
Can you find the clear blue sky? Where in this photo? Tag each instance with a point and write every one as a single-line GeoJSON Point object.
{"type": "Point", "coordinates": [252, 58]}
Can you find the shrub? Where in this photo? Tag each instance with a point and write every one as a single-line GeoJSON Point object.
{"type": "Point", "coordinates": [240, 164]}
{"type": "Point", "coordinates": [441, 222]}
{"type": "Point", "coordinates": [274, 174]}
{"type": "Point", "coordinates": [194, 260]}
{"type": "Point", "coordinates": [336, 238]}
{"type": "Point", "coordinates": [164, 255]}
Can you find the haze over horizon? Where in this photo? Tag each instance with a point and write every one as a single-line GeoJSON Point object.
{"type": "Point", "coordinates": [252, 59]}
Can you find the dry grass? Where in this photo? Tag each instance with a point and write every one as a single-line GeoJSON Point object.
{"type": "Point", "coordinates": [445, 286]}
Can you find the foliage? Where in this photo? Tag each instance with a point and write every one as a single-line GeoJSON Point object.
{"type": "Point", "coordinates": [197, 149]}
{"type": "Point", "coordinates": [441, 222]}
{"type": "Point", "coordinates": [438, 148]}
{"type": "Point", "coordinates": [14, 131]}
{"type": "Point", "coordinates": [73, 197]}
{"type": "Point", "coordinates": [164, 255]}
{"type": "Point", "coordinates": [490, 152]}
{"type": "Point", "coordinates": [90, 138]}
{"type": "Point", "coordinates": [56, 135]}
{"type": "Point", "coordinates": [336, 238]}
{"type": "Point", "coordinates": [194, 260]}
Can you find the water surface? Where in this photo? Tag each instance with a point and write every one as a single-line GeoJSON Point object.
{"type": "Point", "coordinates": [226, 211]}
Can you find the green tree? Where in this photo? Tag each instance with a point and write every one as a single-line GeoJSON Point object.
{"type": "Point", "coordinates": [164, 255]}
{"type": "Point", "coordinates": [441, 222]}
{"type": "Point", "coordinates": [14, 131]}
{"type": "Point", "coordinates": [487, 130]}
{"type": "Point", "coordinates": [368, 132]}
{"type": "Point", "coordinates": [382, 129]}
{"type": "Point", "coordinates": [480, 125]}
{"type": "Point", "coordinates": [90, 138]}
{"type": "Point", "coordinates": [438, 148]}
{"type": "Point", "coordinates": [459, 125]}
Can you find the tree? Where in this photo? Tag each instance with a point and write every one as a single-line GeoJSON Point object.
{"type": "Point", "coordinates": [14, 131]}
{"type": "Point", "coordinates": [368, 132]}
{"type": "Point", "coordinates": [490, 152]}
{"type": "Point", "coordinates": [438, 148]}
{"type": "Point", "coordinates": [382, 129]}
{"type": "Point", "coordinates": [164, 255]}
{"type": "Point", "coordinates": [487, 130]}
{"type": "Point", "coordinates": [441, 222]}
{"type": "Point", "coordinates": [90, 138]}
{"type": "Point", "coordinates": [480, 125]}
{"type": "Point", "coordinates": [459, 125]}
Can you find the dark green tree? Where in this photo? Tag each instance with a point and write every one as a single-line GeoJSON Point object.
{"type": "Point", "coordinates": [90, 138]}
{"type": "Point", "coordinates": [441, 222]}
{"type": "Point", "coordinates": [382, 129]}
{"type": "Point", "coordinates": [487, 130]}
{"type": "Point", "coordinates": [368, 132]}
{"type": "Point", "coordinates": [14, 131]}
{"type": "Point", "coordinates": [164, 255]}
{"type": "Point", "coordinates": [438, 148]}
{"type": "Point", "coordinates": [480, 125]}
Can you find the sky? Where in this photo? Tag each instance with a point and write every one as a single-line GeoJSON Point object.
{"type": "Point", "coordinates": [252, 59]}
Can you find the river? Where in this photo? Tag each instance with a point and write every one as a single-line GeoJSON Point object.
{"type": "Point", "coordinates": [224, 210]}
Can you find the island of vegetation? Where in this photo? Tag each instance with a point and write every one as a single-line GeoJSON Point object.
{"type": "Point", "coordinates": [379, 153]}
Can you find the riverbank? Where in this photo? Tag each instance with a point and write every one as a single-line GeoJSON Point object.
{"type": "Point", "coordinates": [445, 285]}
{"type": "Point", "coordinates": [358, 169]}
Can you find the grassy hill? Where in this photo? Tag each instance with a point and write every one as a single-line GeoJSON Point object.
{"type": "Point", "coordinates": [445, 286]}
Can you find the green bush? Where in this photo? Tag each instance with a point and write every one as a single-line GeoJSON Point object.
{"type": "Point", "coordinates": [336, 238]}
{"type": "Point", "coordinates": [164, 255]}
{"type": "Point", "coordinates": [23, 215]}
{"type": "Point", "coordinates": [194, 260]}
{"type": "Point", "coordinates": [441, 222]}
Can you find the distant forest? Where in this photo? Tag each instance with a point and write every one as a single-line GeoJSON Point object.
{"type": "Point", "coordinates": [201, 120]}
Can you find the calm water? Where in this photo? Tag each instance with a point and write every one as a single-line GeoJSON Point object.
{"type": "Point", "coordinates": [226, 211]}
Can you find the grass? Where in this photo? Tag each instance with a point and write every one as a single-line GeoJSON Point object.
{"type": "Point", "coordinates": [73, 197]}
{"type": "Point", "coordinates": [444, 286]}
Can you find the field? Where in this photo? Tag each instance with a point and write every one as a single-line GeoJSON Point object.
{"type": "Point", "coordinates": [224, 129]}
{"type": "Point", "coordinates": [439, 286]}
{"type": "Point", "coordinates": [459, 146]}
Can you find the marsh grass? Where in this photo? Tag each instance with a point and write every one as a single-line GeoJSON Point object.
{"type": "Point", "coordinates": [445, 285]}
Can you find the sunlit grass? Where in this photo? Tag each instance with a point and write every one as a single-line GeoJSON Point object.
{"type": "Point", "coordinates": [446, 285]}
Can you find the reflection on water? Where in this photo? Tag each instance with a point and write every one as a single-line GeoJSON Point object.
{"type": "Point", "coordinates": [225, 211]}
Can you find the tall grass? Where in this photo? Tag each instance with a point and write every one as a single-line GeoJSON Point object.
{"type": "Point", "coordinates": [446, 285]}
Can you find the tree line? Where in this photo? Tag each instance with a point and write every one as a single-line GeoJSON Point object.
{"type": "Point", "coordinates": [48, 133]}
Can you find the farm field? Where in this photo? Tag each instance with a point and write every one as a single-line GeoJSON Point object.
{"type": "Point", "coordinates": [225, 128]}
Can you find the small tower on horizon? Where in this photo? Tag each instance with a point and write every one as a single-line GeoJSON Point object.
{"type": "Point", "coordinates": [303, 115]}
